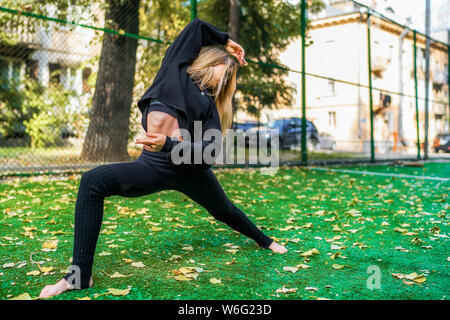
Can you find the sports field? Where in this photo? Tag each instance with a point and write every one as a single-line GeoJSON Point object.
{"type": "Point", "coordinates": [349, 235]}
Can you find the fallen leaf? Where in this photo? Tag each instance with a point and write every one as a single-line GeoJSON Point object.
{"type": "Point", "coordinates": [34, 273]}
{"type": "Point", "coordinates": [182, 278]}
{"type": "Point", "coordinates": [215, 281]}
{"type": "Point", "coordinates": [50, 245]}
{"type": "Point", "coordinates": [338, 266]}
{"type": "Point", "coordinates": [286, 290]}
{"type": "Point", "coordinates": [311, 289]}
{"type": "Point", "coordinates": [310, 252]}
{"type": "Point", "coordinates": [119, 292]}
{"type": "Point", "coordinates": [119, 275]}
{"type": "Point", "coordinates": [138, 264]}
{"type": "Point", "coordinates": [335, 255]}
{"type": "Point", "coordinates": [291, 269]}
{"type": "Point", "coordinates": [23, 296]}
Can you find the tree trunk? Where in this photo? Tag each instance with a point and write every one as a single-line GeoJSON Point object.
{"type": "Point", "coordinates": [107, 136]}
{"type": "Point", "coordinates": [234, 27]}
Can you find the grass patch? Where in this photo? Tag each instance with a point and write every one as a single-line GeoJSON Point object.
{"type": "Point", "coordinates": [398, 225]}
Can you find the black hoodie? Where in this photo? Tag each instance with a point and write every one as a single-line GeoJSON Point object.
{"type": "Point", "coordinates": [174, 88]}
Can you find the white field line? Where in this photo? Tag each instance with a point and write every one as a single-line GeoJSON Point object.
{"type": "Point", "coordinates": [379, 174]}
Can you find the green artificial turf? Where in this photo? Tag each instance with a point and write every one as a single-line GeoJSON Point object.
{"type": "Point", "coordinates": [394, 225]}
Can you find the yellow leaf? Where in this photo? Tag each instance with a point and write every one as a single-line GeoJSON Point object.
{"type": "Point", "coordinates": [335, 255]}
{"type": "Point", "coordinates": [50, 245]}
{"type": "Point", "coordinates": [286, 290]}
{"type": "Point", "coordinates": [46, 269]}
{"type": "Point", "coordinates": [34, 273]}
{"type": "Point", "coordinates": [192, 275]}
{"type": "Point", "coordinates": [156, 228]}
{"type": "Point", "coordinates": [185, 270]}
{"type": "Point", "coordinates": [291, 269]}
{"type": "Point", "coordinates": [336, 228]}
{"type": "Point", "coordinates": [119, 292]}
{"type": "Point", "coordinates": [182, 278]}
{"type": "Point", "coordinates": [23, 296]}
{"type": "Point", "coordinates": [409, 283]}
{"type": "Point", "coordinates": [138, 264]}
{"type": "Point", "coordinates": [215, 280]}
{"type": "Point", "coordinates": [420, 279]}
{"type": "Point", "coordinates": [119, 275]}
{"type": "Point", "coordinates": [400, 230]}
{"type": "Point", "coordinates": [303, 266]}
{"type": "Point", "coordinates": [311, 289]}
{"type": "Point", "coordinates": [338, 266]}
{"type": "Point", "coordinates": [310, 252]}
{"type": "Point", "coordinates": [84, 298]}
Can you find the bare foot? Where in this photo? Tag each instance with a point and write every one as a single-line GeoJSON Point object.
{"type": "Point", "coordinates": [277, 248]}
{"type": "Point", "coordinates": [58, 288]}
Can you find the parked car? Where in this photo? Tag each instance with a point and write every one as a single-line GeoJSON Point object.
{"type": "Point", "coordinates": [289, 132]}
{"type": "Point", "coordinates": [244, 126]}
{"type": "Point", "coordinates": [326, 141]}
{"type": "Point", "coordinates": [442, 142]}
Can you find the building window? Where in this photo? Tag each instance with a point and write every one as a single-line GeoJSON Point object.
{"type": "Point", "coordinates": [55, 72]}
{"type": "Point", "coordinates": [331, 87]}
{"type": "Point", "coordinates": [332, 119]}
{"type": "Point", "coordinates": [32, 69]}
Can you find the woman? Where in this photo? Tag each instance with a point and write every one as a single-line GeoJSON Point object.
{"type": "Point", "coordinates": [181, 94]}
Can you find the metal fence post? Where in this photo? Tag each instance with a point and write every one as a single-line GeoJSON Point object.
{"type": "Point", "coordinates": [303, 32]}
{"type": "Point", "coordinates": [369, 62]}
{"type": "Point", "coordinates": [193, 9]}
{"type": "Point", "coordinates": [448, 85]}
{"type": "Point", "coordinates": [415, 92]}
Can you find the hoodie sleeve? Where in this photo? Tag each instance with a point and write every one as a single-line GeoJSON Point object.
{"type": "Point", "coordinates": [170, 143]}
{"type": "Point", "coordinates": [192, 38]}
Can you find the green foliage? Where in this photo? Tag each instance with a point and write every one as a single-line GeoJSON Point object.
{"type": "Point", "coordinates": [266, 30]}
{"type": "Point", "coordinates": [44, 126]}
{"type": "Point", "coordinates": [39, 110]}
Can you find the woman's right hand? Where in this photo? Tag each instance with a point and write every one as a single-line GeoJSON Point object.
{"type": "Point", "coordinates": [154, 142]}
{"type": "Point", "coordinates": [236, 50]}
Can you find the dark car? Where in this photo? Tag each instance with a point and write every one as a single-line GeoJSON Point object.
{"type": "Point", "coordinates": [244, 126]}
{"type": "Point", "coordinates": [289, 132]}
{"type": "Point", "coordinates": [442, 142]}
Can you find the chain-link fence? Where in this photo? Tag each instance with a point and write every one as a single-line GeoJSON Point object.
{"type": "Point", "coordinates": [69, 87]}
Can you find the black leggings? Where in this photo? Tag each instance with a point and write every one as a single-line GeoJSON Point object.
{"type": "Point", "coordinates": [138, 178]}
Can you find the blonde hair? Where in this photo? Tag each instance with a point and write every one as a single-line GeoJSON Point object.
{"type": "Point", "coordinates": [201, 72]}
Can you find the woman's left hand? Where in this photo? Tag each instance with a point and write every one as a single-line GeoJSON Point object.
{"type": "Point", "coordinates": [154, 142]}
{"type": "Point", "coordinates": [236, 50]}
